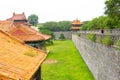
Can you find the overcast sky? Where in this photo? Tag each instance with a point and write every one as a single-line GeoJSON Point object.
{"type": "Point", "coordinates": [53, 10]}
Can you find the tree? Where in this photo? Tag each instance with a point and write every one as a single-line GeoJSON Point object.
{"type": "Point", "coordinates": [33, 19]}
{"type": "Point", "coordinates": [113, 8]}
{"type": "Point", "coordinates": [56, 26]}
{"type": "Point", "coordinates": [102, 22]}
{"type": "Point", "coordinates": [53, 26]}
{"type": "Point", "coordinates": [112, 20]}
{"type": "Point", "coordinates": [64, 25]}
{"type": "Point", "coordinates": [113, 12]}
{"type": "Point", "coordinates": [85, 25]}
{"type": "Point", "coordinates": [47, 31]}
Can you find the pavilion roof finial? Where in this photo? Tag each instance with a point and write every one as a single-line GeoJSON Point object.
{"type": "Point", "coordinates": [13, 13]}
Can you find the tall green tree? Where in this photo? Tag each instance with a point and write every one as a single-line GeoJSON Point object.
{"type": "Point", "coordinates": [53, 26]}
{"type": "Point", "coordinates": [102, 22]}
{"type": "Point", "coordinates": [64, 25]}
{"type": "Point", "coordinates": [33, 19]}
{"type": "Point", "coordinates": [110, 21]}
{"type": "Point", "coordinates": [56, 26]}
{"type": "Point", "coordinates": [113, 8]}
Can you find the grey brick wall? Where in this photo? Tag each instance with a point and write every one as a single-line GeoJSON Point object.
{"type": "Point", "coordinates": [103, 61]}
{"type": "Point", "coordinates": [67, 34]}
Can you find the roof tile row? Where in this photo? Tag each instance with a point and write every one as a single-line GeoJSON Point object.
{"type": "Point", "coordinates": [14, 63]}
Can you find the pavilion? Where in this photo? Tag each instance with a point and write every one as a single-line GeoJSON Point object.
{"type": "Point", "coordinates": [76, 25]}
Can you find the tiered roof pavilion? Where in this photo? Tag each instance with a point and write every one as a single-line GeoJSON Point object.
{"type": "Point", "coordinates": [76, 25]}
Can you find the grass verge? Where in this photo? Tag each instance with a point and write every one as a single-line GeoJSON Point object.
{"type": "Point", "coordinates": [65, 63]}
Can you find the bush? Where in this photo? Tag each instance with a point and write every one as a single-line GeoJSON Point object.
{"type": "Point", "coordinates": [107, 40]}
{"type": "Point", "coordinates": [49, 42]}
{"type": "Point", "coordinates": [100, 39]}
{"type": "Point", "coordinates": [92, 37]}
{"type": "Point", "coordinates": [79, 34]}
{"type": "Point", "coordinates": [62, 37]}
{"type": "Point", "coordinates": [117, 44]}
{"type": "Point", "coordinates": [47, 31]}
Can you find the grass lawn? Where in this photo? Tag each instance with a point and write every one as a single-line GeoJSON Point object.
{"type": "Point", "coordinates": [65, 63]}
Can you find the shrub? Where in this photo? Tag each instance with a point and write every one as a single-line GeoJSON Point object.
{"type": "Point", "coordinates": [107, 40]}
{"type": "Point", "coordinates": [92, 37]}
{"type": "Point", "coordinates": [62, 37]}
{"type": "Point", "coordinates": [117, 43]}
{"type": "Point", "coordinates": [100, 39]}
{"type": "Point", "coordinates": [79, 34]}
{"type": "Point", "coordinates": [49, 42]}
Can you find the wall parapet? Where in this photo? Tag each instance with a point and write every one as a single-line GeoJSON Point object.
{"type": "Point", "coordinates": [113, 33]}
{"type": "Point", "coordinates": [67, 34]}
{"type": "Point", "coordinates": [103, 31]}
{"type": "Point", "coordinates": [103, 61]}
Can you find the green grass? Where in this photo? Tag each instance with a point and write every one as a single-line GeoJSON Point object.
{"type": "Point", "coordinates": [69, 65]}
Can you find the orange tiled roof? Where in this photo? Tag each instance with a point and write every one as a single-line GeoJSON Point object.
{"type": "Point", "coordinates": [18, 61]}
{"type": "Point", "coordinates": [26, 33]}
{"type": "Point", "coordinates": [6, 25]}
{"type": "Point", "coordinates": [77, 22]}
{"type": "Point", "coordinates": [46, 36]}
{"type": "Point", "coordinates": [18, 17]}
{"type": "Point", "coordinates": [29, 37]}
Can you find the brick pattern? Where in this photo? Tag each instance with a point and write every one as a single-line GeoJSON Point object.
{"type": "Point", "coordinates": [103, 61]}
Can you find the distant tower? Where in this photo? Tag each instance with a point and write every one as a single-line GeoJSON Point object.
{"type": "Point", "coordinates": [76, 25]}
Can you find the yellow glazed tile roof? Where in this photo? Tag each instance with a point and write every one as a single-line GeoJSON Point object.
{"type": "Point", "coordinates": [18, 61]}
{"type": "Point", "coordinates": [6, 25]}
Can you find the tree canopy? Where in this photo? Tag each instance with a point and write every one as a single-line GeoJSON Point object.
{"type": "Point", "coordinates": [56, 26]}
{"type": "Point", "coordinates": [113, 8]}
{"type": "Point", "coordinates": [102, 22]}
{"type": "Point", "coordinates": [49, 27]}
{"type": "Point", "coordinates": [33, 19]}
{"type": "Point", "coordinates": [110, 21]}
{"type": "Point", "coordinates": [64, 25]}
{"type": "Point", "coordinates": [53, 26]}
